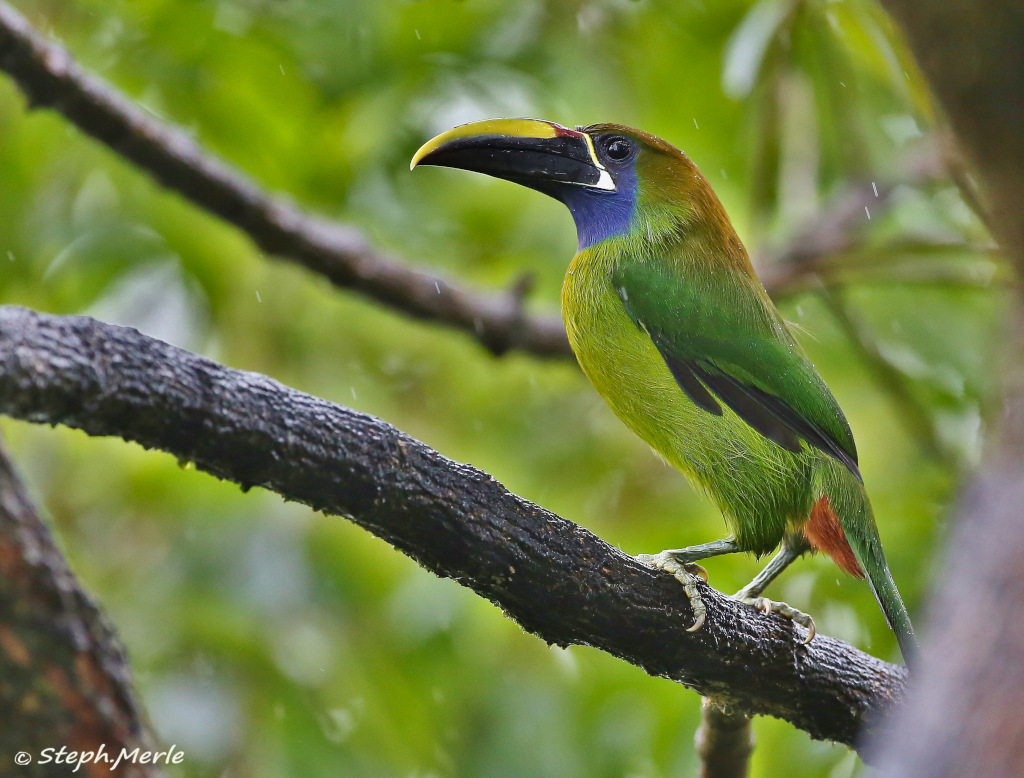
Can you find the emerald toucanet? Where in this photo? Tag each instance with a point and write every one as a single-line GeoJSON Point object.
{"type": "Point", "coordinates": [674, 329]}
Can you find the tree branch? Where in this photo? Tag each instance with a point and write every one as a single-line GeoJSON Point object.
{"type": "Point", "coordinates": [840, 227]}
{"type": "Point", "coordinates": [50, 78]}
{"type": "Point", "coordinates": [553, 577]}
{"type": "Point", "coordinates": [66, 679]}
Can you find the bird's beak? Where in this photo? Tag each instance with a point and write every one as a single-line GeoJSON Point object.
{"type": "Point", "coordinates": [531, 152]}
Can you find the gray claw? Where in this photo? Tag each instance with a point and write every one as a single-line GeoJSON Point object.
{"type": "Point", "coordinates": [783, 609]}
{"type": "Point", "coordinates": [687, 574]}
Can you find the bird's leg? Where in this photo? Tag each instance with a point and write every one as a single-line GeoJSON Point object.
{"type": "Point", "coordinates": [682, 563]}
{"type": "Point", "coordinates": [751, 593]}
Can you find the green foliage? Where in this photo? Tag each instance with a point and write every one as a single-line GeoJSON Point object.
{"type": "Point", "coordinates": [270, 641]}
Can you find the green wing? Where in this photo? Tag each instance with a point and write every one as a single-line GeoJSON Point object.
{"type": "Point", "coordinates": [724, 342]}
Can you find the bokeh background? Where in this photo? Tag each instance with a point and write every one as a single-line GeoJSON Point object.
{"type": "Point", "coordinates": [268, 640]}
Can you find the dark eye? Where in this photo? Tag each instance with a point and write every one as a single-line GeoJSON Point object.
{"type": "Point", "coordinates": [618, 148]}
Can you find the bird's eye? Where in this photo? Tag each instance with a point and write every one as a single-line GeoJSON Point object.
{"type": "Point", "coordinates": [618, 148]}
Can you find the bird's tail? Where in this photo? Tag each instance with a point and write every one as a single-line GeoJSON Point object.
{"type": "Point", "coordinates": [848, 501]}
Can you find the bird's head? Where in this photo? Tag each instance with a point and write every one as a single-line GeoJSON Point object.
{"type": "Point", "coordinates": [613, 179]}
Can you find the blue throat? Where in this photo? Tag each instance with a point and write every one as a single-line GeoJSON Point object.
{"type": "Point", "coordinates": [599, 214]}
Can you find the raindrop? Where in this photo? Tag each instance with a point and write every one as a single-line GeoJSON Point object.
{"type": "Point", "coordinates": [867, 211]}
{"type": "Point", "coordinates": [258, 298]}
{"type": "Point", "coordinates": [338, 724]}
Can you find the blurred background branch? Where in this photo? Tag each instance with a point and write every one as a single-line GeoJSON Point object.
{"type": "Point", "coordinates": [973, 55]}
{"type": "Point", "coordinates": [724, 742]}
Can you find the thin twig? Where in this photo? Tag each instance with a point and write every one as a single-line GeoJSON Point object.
{"type": "Point", "coordinates": [553, 577]}
{"type": "Point", "coordinates": [912, 413]}
{"type": "Point", "coordinates": [839, 229]}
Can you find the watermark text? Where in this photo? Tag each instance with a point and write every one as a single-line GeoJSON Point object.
{"type": "Point", "coordinates": [101, 755]}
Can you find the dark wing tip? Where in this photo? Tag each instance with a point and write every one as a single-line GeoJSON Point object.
{"type": "Point", "coordinates": [773, 417]}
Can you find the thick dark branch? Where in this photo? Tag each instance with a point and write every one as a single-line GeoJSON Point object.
{"type": "Point", "coordinates": [50, 78]}
{"type": "Point", "coordinates": [65, 677]}
{"type": "Point", "coordinates": [965, 718]}
{"type": "Point", "coordinates": [553, 577]}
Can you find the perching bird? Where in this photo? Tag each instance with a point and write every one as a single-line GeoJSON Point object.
{"type": "Point", "coordinates": [674, 329]}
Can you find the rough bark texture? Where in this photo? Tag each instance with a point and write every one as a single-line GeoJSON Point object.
{"type": "Point", "coordinates": [553, 577]}
{"type": "Point", "coordinates": [64, 676]}
{"type": "Point", "coordinates": [964, 716]}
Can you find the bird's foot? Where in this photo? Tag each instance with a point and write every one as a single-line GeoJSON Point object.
{"type": "Point", "coordinates": [783, 609]}
{"type": "Point", "coordinates": [687, 574]}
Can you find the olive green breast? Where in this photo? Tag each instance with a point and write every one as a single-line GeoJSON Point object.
{"type": "Point", "coordinates": [759, 487]}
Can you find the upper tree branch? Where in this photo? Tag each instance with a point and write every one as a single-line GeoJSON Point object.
{"type": "Point", "coordinates": [49, 77]}
{"type": "Point", "coordinates": [553, 577]}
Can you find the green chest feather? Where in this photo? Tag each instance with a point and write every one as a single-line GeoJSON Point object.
{"type": "Point", "coordinates": [761, 488]}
